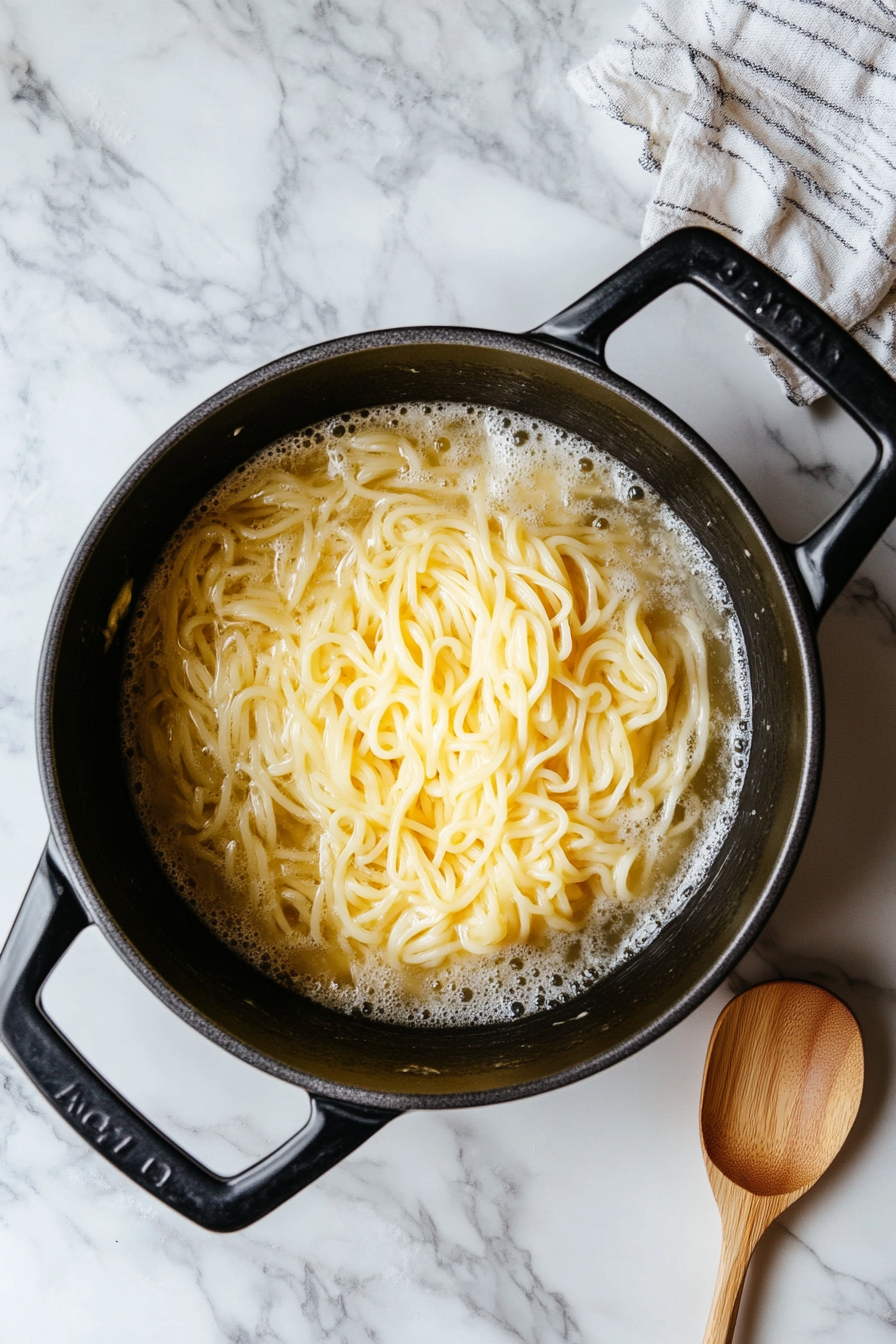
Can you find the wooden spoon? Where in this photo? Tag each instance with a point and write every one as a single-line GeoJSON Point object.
{"type": "Point", "coordinates": [781, 1088]}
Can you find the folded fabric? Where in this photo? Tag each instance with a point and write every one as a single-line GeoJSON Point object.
{"type": "Point", "coordinates": [776, 125]}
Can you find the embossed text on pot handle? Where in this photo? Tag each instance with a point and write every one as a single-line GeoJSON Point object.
{"type": "Point", "coordinates": [48, 922]}
{"type": "Point", "coordinates": [828, 558]}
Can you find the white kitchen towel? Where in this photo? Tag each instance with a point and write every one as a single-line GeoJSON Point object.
{"type": "Point", "coordinates": [776, 125]}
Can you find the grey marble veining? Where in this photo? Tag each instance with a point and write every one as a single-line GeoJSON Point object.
{"type": "Point", "coordinates": [186, 191]}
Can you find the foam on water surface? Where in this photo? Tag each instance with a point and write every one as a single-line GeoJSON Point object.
{"type": "Point", "coordinates": [546, 476]}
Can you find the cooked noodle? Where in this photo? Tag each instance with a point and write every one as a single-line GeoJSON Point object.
{"type": "Point", "coordinates": [402, 719]}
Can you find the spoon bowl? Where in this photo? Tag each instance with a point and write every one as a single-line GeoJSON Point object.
{"type": "Point", "coordinates": [781, 1089]}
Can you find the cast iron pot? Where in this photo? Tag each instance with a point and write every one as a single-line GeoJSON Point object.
{"type": "Point", "coordinates": [99, 868]}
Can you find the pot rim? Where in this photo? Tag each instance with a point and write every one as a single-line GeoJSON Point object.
{"type": "Point", "coordinates": [777, 553]}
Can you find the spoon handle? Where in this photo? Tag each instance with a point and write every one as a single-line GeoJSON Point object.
{"type": "Point", "coordinates": [728, 1289]}
{"type": "Point", "coordinates": [745, 1218]}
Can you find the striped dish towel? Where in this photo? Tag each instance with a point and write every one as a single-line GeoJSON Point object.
{"type": "Point", "coordinates": [775, 124]}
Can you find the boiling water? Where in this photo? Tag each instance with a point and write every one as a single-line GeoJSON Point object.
{"type": "Point", "coordinates": [546, 476]}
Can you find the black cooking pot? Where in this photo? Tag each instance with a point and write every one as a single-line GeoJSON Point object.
{"type": "Point", "coordinates": [99, 866]}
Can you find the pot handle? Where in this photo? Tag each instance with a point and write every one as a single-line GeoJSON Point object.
{"type": "Point", "coordinates": [50, 919]}
{"type": "Point", "coordinates": [828, 558]}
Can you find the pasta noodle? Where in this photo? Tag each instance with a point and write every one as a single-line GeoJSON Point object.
{"type": "Point", "coordinates": [406, 721]}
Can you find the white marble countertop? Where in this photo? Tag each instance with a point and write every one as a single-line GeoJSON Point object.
{"type": "Point", "coordinates": [186, 191]}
